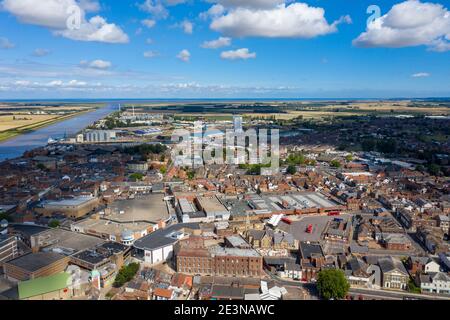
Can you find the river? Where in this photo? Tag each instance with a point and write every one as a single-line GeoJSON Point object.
{"type": "Point", "coordinates": [16, 146]}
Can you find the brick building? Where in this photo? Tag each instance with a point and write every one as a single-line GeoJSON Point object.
{"type": "Point", "coordinates": [35, 265]}
{"type": "Point", "coordinates": [312, 260]}
{"type": "Point", "coordinates": [73, 208]}
{"type": "Point", "coordinates": [219, 261]}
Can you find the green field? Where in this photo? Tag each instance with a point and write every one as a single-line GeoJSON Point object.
{"type": "Point", "coordinates": [11, 133]}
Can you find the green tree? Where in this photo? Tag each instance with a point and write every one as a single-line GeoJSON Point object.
{"type": "Point", "coordinates": [125, 274]}
{"type": "Point", "coordinates": [54, 224]}
{"type": "Point", "coordinates": [136, 176]}
{"type": "Point", "coordinates": [420, 168]}
{"type": "Point", "coordinates": [349, 158]}
{"type": "Point", "coordinates": [145, 150]}
{"type": "Point", "coordinates": [291, 169]}
{"type": "Point", "coordinates": [5, 216]}
{"type": "Point", "coordinates": [434, 169]}
{"type": "Point", "coordinates": [191, 175]}
{"type": "Point", "coordinates": [296, 159]}
{"type": "Point", "coordinates": [335, 164]}
{"type": "Point", "coordinates": [412, 287]}
{"type": "Point", "coordinates": [368, 145]}
{"type": "Point", "coordinates": [387, 146]}
{"type": "Point", "coordinates": [332, 284]}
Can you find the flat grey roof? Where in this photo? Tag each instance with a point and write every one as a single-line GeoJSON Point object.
{"type": "Point", "coordinates": [95, 256]}
{"type": "Point", "coordinates": [28, 229]}
{"type": "Point", "coordinates": [35, 261]}
{"type": "Point", "coordinates": [161, 237]}
{"type": "Point", "coordinates": [211, 204]}
{"type": "Point", "coordinates": [236, 240]}
{"type": "Point", "coordinates": [150, 208]}
{"type": "Point", "coordinates": [67, 241]}
{"type": "Point", "coordinates": [233, 252]}
{"type": "Point", "coordinates": [266, 203]}
{"type": "Point", "coordinates": [74, 202]}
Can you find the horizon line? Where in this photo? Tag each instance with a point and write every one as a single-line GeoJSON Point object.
{"type": "Point", "coordinates": [221, 99]}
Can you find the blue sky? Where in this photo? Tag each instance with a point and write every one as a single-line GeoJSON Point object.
{"type": "Point", "coordinates": [263, 49]}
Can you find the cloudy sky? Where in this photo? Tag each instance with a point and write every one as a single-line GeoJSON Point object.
{"type": "Point", "coordinates": [224, 49]}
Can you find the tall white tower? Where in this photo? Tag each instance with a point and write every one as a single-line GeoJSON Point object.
{"type": "Point", "coordinates": [237, 124]}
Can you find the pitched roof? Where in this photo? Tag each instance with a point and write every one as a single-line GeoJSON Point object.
{"type": "Point", "coordinates": [165, 293]}
{"type": "Point", "coordinates": [441, 276]}
{"type": "Point", "coordinates": [35, 287]}
{"type": "Point", "coordinates": [179, 280]}
{"type": "Point", "coordinates": [307, 250]}
{"type": "Point", "coordinates": [220, 291]}
{"type": "Point", "coordinates": [256, 234]}
{"type": "Point", "coordinates": [389, 264]}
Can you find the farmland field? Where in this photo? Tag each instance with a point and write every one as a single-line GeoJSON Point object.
{"type": "Point", "coordinates": [16, 120]}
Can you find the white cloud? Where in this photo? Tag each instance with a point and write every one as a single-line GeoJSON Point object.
{"type": "Point", "coordinates": [213, 12]}
{"type": "Point", "coordinates": [50, 13]}
{"type": "Point", "coordinates": [89, 5]}
{"type": "Point", "coordinates": [407, 24]}
{"type": "Point", "coordinates": [6, 44]}
{"type": "Point", "coordinates": [184, 55]}
{"type": "Point", "coordinates": [174, 2]}
{"type": "Point", "coordinates": [218, 43]}
{"type": "Point", "coordinates": [440, 45]}
{"type": "Point", "coordinates": [421, 75]}
{"type": "Point", "coordinates": [96, 64]}
{"type": "Point", "coordinates": [243, 54]}
{"type": "Point", "coordinates": [187, 26]}
{"type": "Point", "coordinates": [149, 23]}
{"type": "Point", "coordinates": [40, 52]}
{"type": "Point", "coordinates": [252, 4]}
{"type": "Point", "coordinates": [99, 89]}
{"type": "Point", "coordinates": [150, 54]}
{"type": "Point", "coordinates": [155, 8]}
{"type": "Point", "coordinates": [32, 70]}
{"type": "Point", "coordinates": [297, 20]}
{"type": "Point", "coordinates": [54, 14]}
{"type": "Point", "coordinates": [26, 84]}
{"type": "Point", "coordinates": [97, 29]}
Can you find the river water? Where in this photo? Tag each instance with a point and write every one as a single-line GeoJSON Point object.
{"type": "Point", "coordinates": [16, 146]}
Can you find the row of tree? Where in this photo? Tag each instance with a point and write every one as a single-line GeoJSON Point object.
{"type": "Point", "coordinates": [126, 274]}
{"type": "Point", "coordinates": [146, 150]}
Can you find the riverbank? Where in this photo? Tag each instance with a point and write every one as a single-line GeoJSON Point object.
{"type": "Point", "coordinates": [32, 138]}
{"type": "Point", "coordinates": [11, 133]}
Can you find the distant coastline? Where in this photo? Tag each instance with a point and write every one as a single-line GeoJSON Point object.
{"type": "Point", "coordinates": [181, 100]}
